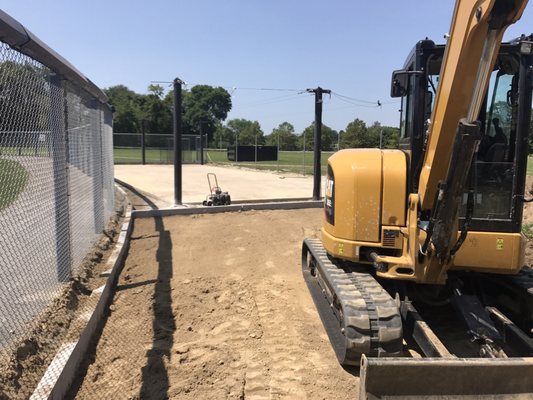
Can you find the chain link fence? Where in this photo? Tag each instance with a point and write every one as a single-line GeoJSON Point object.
{"type": "Point", "coordinates": [127, 149]}
{"type": "Point", "coordinates": [158, 148]}
{"type": "Point", "coordinates": [56, 197]}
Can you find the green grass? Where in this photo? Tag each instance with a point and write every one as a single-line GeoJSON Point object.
{"type": "Point", "coordinates": [33, 151]}
{"type": "Point", "coordinates": [289, 161]}
{"type": "Point", "coordinates": [527, 230]}
{"type": "Point", "coordinates": [13, 179]}
{"type": "Point", "coordinates": [530, 165]}
{"type": "Point", "coordinates": [153, 156]}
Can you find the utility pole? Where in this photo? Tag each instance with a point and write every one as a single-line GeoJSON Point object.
{"type": "Point", "coordinates": [317, 171]}
{"type": "Point", "coordinates": [177, 141]}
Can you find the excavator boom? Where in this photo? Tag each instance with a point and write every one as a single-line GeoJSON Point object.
{"type": "Point", "coordinates": [475, 35]}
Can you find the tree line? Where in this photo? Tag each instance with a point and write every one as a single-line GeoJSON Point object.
{"type": "Point", "coordinates": [205, 109]}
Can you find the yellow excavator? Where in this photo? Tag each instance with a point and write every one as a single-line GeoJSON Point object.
{"type": "Point", "coordinates": [419, 275]}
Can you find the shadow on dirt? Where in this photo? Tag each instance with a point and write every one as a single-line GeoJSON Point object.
{"type": "Point", "coordinates": [155, 382]}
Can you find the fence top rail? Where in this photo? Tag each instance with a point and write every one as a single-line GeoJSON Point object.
{"type": "Point", "coordinates": [21, 39]}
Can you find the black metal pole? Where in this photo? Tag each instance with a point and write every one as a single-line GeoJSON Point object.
{"type": "Point", "coordinates": [143, 142]}
{"type": "Point", "coordinates": [177, 142]}
{"type": "Point", "coordinates": [201, 145]}
{"type": "Point", "coordinates": [317, 170]}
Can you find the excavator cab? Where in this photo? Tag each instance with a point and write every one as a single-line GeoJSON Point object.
{"type": "Point", "coordinates": [497, 173]}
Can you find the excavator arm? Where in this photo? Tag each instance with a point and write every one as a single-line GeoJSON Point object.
{"type": "Point", "coordinates": [476, 32]}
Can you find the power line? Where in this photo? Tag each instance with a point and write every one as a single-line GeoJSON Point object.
{"type": "Point", "coordinates": [238, 87]}
{"type": "Point", "coordinates": [347, 99]}
{"type": "Point", "coordinates": [353, 99]}
{"type": "Point", "coordinates": [353, 104]}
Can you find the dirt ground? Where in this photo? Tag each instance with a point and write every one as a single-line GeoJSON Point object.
{"type": "Point", "coordinates": [215, 307]}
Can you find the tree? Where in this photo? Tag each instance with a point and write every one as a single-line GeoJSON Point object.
{"type": "Point", "coordinates": [285, 136]}
{"type": "Point", "coordinates": [328, 139]}
{"type": "Point", "coordinates": [203, 107]}
{"type": "Point", "coordinates": [24, 98]}
{"type": "Point", "coordinates": [245, 132]}
{"type": "Point", "coordinates": [391, 137]}
{"type": "Point", "coordinates": [356, 135]}
{"type": "Point", "coordinates": [222, 136]}
{"type": "Point", "coordinates": [373, 135]}
{"type": "Point", "coordinates": [127, 117]}
{"type": "Point", "coordinates": [156, 113]}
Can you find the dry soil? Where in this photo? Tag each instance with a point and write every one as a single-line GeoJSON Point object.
{"type": "Point", "coordinates": [215, 307]}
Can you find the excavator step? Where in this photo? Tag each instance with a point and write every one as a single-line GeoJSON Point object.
{"type": "Point", "coordinates": [359, 316]}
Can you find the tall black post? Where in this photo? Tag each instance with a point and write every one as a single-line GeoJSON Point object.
{"type": "Point", "coordinates": [177, 141]}
{"type": "Point", "coordinates": [201, 145]}
{"type": "Point", "coordinates": [143, 141]}
{"type": "Point", "coordinates": [317, 170]}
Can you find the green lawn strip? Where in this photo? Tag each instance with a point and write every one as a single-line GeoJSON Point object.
{"type": "Point", "coordinates": [152, 156]}
{"type": "Point", "coordinates": [289, 161]}
{"type": "Point", "coordinates": [530, 166]}
{"type": "Point", "coordinates": [13, 179]}
{"type": "Point", "coordinates": [527, 230]}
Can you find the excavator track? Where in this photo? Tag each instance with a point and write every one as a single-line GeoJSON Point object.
{"type": "Point", "coordinates": [359, 316]}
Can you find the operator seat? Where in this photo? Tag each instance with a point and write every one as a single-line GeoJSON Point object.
{"type": "Point", "coordinates": [496, 153]}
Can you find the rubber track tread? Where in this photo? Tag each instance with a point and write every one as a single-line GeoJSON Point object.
{"type": "Point", "coordinates": [367, 316]}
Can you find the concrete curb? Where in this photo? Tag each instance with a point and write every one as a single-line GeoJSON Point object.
{"type": "Point", "coordinates": [199, 203]}
{"type": "Point", "coordinates": [61, 373]}
{"type": "Point", "coordinates": [287, 205]}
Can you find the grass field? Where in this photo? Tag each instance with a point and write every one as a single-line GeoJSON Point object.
{"type": "Point", "coordinates": [289, 161]}
{"type": "Point", "coordinates": [13, 179]}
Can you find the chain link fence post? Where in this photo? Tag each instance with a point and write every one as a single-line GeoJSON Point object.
{"type": "Point", "coordinates": [59, 146]}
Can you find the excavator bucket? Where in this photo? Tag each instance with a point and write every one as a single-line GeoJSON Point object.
{"type": "Point", "coordinates": [446, 378]}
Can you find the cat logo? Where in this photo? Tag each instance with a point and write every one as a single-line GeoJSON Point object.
{"type": "Point", "coordinates": [329, 187]}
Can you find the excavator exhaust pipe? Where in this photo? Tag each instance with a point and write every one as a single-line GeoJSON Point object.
{"type": "Point", "coordinates": [446, 378]}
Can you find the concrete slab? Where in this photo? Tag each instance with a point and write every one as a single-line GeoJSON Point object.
{"type": "Point", "coordinates": [157, 181]}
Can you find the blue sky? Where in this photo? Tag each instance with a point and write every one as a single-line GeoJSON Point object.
{"type": "Point", "coordinates": [347, 46]}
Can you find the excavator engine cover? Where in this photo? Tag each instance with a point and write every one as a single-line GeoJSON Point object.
{"type": "Point", "coordinates": [365, 202]}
